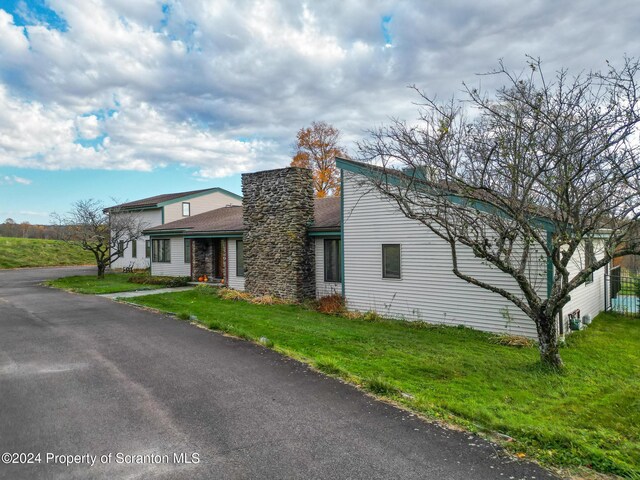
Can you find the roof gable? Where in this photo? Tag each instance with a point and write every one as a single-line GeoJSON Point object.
{"type": "Point", "coordinates": [159, 201]}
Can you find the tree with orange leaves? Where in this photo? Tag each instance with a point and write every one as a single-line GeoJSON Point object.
{"type": "Point", "coordinates": [316, 148]}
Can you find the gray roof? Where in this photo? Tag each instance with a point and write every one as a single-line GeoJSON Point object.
{"type": "Point", "coordinates": [158, 200]}
{"type": "Point", "coordinates": [229, 220]}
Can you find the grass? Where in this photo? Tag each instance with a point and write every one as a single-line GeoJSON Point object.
{"type": "Point", "coordinates": [31, 252]}
{"type": "Point", "coordinates": [111, 283]}
{"type": "Point", "coordinates": [587, 417]}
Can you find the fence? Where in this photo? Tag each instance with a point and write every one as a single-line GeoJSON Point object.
{"type": "Point", "coordinates": [622, 292]}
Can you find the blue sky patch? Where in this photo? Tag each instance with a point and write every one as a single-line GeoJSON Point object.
{"type": "Point", "coordinates": [35, 12]}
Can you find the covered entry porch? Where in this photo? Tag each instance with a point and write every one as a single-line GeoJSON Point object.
{"type": "Point", "coordinates": [210, 258]}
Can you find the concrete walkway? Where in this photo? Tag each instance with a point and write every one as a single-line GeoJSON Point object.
{"type": "Point", "coordinates": [137, 394]}
{"type": "Point", "coordinates": [141, 293]}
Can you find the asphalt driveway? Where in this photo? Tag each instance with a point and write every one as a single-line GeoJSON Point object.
{"type": "Point", "coordinates": [83, 375]}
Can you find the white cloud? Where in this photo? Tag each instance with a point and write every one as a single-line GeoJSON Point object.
{"type": "Point", "coordinates": [223, 86]}
{"type": "Point", "coordinates": [12, 179]}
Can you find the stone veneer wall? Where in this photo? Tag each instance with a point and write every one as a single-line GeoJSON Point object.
{"type": "Point", "coordinates": [203, 253]}
{"type": "Point", "coordinates": [202, 258]}
{"type": "Point", "coordinates": [279, 258]}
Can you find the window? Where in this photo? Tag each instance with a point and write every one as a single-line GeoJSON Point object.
{"type": "Point", "coordinates": [391, 261]}
{"type": "Point", "coordinates": [239, 258]}
{"type": "Point", "coordinates": [332, 267]}
{"type": "Point", "coordinates": [187, 250]}
{"type": "Point", "coordinates": [161, 251]}
{"type": "Point", "coordinates": [589, 258]}
{"type": "Point", "coordinates": [121, 248]}
{"type": "Point", "coordinates": [147, 248]}
{"type": "Point", "coordinates": [134, 249]}
{"type": "Point", "coordinates": [186, 209]}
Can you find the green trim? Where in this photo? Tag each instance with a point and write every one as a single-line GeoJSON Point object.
{"type": "Point", "coordinates": [334, 233]}
{"type": "Point", "coordinates": [200, 194]}
{"type": "Point", "coordinates": [214, 235]}
{"type": "Point", "coordinates": [549, 264]}
{"type": "Point", "coordinates": [342, 231]}
{"type": "Point", "coordinates": [162, 221]}
{"type": "Point", "coordinates": [161, 233]}
{"type": "Point", "coordinates": [395, 178]}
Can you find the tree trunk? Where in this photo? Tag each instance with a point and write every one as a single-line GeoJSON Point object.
{"type": "Point", "coordinates": [548, 341]}
{"type": "Point", "coordinates": [101, 269]}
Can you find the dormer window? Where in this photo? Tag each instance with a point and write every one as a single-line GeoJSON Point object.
{"type": "Point", "coordinates": [186, 209]}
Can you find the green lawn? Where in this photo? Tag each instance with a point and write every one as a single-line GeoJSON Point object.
{"type": "Point", "coordinates": [31, 252]}
{"type": "Point", "coordinates": [111, 283]}
{"type": "Point", "coordinates": [587, 416]}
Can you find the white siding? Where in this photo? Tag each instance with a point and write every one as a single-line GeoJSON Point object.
{"type": "Point", "coordinates": [323, 288]}
{"type": "Point", "coordinates": [177, 267]}
{"type": "Point", "coordinates": [428, 290]}
{"type": "Point", "coordinates": [234, 281]}
{"type": "Point", "coordinates": [589, 297]}
{"type": "Point", "coordinates": [204, 203]}
{"type": "Point", "coordinates": [151, 218]}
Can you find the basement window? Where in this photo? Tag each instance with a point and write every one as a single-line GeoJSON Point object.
{"type": "Point", "coordinates": [391, 260]}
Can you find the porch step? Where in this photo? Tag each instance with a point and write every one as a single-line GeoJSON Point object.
{"type": "Point", "coordinates": [212, 283]}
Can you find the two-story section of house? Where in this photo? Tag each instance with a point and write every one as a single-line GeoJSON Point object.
{"type": "Point", "coordinates": [161, 209]}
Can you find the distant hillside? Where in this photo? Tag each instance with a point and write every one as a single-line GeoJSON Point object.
{"type": "Point", "coordinates": [28, 252]}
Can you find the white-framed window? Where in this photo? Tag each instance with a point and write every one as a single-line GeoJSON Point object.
{"type": "Point", "coordinates": [391, 260]}
{"type": "Point", "coordinates": [134, 248]}
{"type": "Point", "coordinates": [186, 209]}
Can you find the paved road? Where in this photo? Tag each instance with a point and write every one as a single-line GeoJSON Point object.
{"type": "Point", "coordinates": [85, 375]}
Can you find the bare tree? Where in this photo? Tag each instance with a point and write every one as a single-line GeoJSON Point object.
{"type": "Point", "coordinates": [103, 232]}
{"type": "Point", "coordinates": [541, 172]}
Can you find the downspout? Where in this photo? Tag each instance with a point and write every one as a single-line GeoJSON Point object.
{"type": "Point", "coordinates": [342, 232]}
{"type": "Point", "coordinates": [225, 281]}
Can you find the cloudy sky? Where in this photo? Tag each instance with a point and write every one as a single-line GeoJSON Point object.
{"type": "Point", "coordinates": [131, 98]}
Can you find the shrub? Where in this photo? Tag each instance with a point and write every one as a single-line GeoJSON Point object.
{"type": "Point", "coordinates": [267, 300]}
{"type": "Point", "coordinates": [371, 316]}
{"type": "Point", "coordinates": [331, 304]}
{"type": "Point", "coordinates": [230, 294]}
{"type": "Point", "coordinates": [144, 279]}
{"type": "Point", "coordinates": [512, 340]}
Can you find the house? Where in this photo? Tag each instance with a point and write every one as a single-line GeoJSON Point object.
{"type": "Point", "coordinates": [284, 242]}
{"type": "Point", "coordinates": [162, 209]}
{"type": "Point", "coordinates": [290, 236]}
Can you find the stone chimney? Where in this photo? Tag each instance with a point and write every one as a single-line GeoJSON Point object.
{"type": "Point", "coordinates": [279, 258]}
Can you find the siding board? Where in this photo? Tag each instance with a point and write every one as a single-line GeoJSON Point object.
{"type": "Point", "coordinates": [428, 289]}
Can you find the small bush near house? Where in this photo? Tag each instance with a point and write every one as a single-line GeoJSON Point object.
{"type": "Point", "coordinates": [230, 294]}
{"type": "Point", "coordinates": [144, 279]}
{"type": "Point", "coordinates": [267, 300]}
{"type": "Point", "coordinates": [512, 340]}
{"type": "Point", "coordinates": [331, 304]}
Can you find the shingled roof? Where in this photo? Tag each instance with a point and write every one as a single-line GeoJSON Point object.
{"type": "Point", "coordinates": [227, 220]}
{"type": "Point", "coordinates": [158, 200]}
